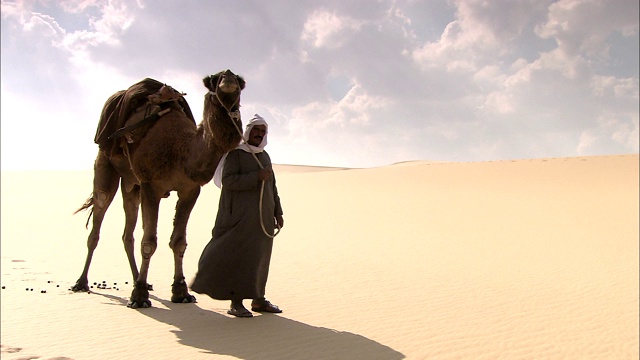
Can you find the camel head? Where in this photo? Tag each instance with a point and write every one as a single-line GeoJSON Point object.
{"type": "Point", "coordinates": [225, 81]}
{"type": "Point", "coordinates": [226, 86]}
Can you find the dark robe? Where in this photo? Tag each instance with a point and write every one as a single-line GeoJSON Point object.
{"type": "Point", "coordinates": [235, 263]}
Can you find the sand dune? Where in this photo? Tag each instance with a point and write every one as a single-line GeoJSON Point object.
{"type": "Point", "coordinates": [526, 259]}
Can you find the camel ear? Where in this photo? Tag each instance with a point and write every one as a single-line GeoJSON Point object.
{"type": "Point", "coordinates": [240, 82]}
{"type": "Point", "coordinates": [210, 82]}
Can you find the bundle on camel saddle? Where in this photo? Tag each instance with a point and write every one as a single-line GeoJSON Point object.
{"type": "Point", "coordinates": [150, 145]}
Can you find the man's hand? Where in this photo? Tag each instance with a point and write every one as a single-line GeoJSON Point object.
{"type": "Point", "coordinates": [265, 174]}
{"type": "Point", "coordinates": [279, 221]}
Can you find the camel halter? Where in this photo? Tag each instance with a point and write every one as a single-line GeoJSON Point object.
{"type": "Point", "coordinates": [235, 116]}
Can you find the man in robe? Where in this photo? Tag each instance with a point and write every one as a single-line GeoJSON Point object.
{"type": "Point", "coordinates": [235, 263]}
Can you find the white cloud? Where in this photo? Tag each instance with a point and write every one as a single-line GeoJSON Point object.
{"type": "Point", "coordinates": [571, 24]}
{"type": "Point", "coordinates": [354, 83]}
{"type": "Point", "coordinates": [480, 35]}
{"type": "Point", "coordinates": [611, 127]}
{"type": "Point", "coordinates": [325, 29]}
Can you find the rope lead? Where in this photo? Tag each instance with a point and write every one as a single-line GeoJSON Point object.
{"type": "Point", "coordinates": [235, 115]}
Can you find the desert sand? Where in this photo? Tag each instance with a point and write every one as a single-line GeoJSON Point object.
{"type": "Point", "coordinates": [522, 259]}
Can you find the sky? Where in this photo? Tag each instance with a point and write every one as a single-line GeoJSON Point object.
{"type": "Point", "coordinates": [346, 83]}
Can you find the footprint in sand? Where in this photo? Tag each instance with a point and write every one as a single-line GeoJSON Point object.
{"type": "Point", "coordinates": [9, 349]}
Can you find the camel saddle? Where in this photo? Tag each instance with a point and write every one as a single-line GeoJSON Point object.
{"type": "Point", "coordinates": [130, 113]}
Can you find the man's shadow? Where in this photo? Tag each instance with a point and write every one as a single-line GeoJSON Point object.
{"type": "Point", "coordinates": [266, 336]}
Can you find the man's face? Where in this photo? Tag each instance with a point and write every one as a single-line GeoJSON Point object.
{"type": "Point", "coordinates": [257, 134]}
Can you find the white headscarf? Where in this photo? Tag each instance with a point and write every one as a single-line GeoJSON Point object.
{"type": "Point", "coordinates": [244, 145]}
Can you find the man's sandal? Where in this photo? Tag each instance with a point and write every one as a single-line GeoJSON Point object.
{"type": "Point", "coordinates": [240, 312]}
{"type": "Point", "coordinates": [265, 306]}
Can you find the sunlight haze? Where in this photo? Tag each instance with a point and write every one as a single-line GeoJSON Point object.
{"type": "Point", "coordinates": [341, 83]}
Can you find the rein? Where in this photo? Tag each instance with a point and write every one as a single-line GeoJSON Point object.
{"type": "Point", "coordinates": [235, 116]}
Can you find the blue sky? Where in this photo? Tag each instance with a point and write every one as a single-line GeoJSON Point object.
{"type": "Point", "coordinates": [356, 83]}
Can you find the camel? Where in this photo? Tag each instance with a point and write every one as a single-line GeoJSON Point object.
{"type": "Point", "coordinates": [150, 144]}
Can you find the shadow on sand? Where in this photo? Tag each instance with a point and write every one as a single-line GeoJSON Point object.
{"type": "Point", "coordinates": [266, 336]}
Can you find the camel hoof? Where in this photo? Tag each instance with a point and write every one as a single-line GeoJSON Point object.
{"type": "Point", "coordinates": [81, 285]}
{"type": "Point", "coordinates": [180, 293]}
{"type": "Point", "coordinates": [183, 299]}
{"type": "Point", "coordinates": [139, 296]}
{"type": "Point", "coordinates": [134, 305]}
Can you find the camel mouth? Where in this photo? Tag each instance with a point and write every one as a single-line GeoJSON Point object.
{"type": "Point", "coordinates": [228, 88]}
{"type": "Point", "coordinates": [228, 83]}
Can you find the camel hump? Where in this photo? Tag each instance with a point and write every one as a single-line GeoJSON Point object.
{"type": "Point", "coordinates": [121, 105]}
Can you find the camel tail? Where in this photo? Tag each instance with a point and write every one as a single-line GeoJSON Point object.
{"type": "Point", "coordinates": [87, 205]}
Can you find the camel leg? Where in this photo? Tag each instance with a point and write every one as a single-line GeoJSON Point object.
{"type": "Point", "coordinates": [150, 208]}
{"type": "Point", "coordinates": [178, 243]}
{"type": "Point", "coordinates": [131, 204]}
{"type": "Point", "coordinates": [105, 186]}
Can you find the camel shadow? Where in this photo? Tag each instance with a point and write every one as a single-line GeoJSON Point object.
{"type": "Point", "coordinates": [265, 336]}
